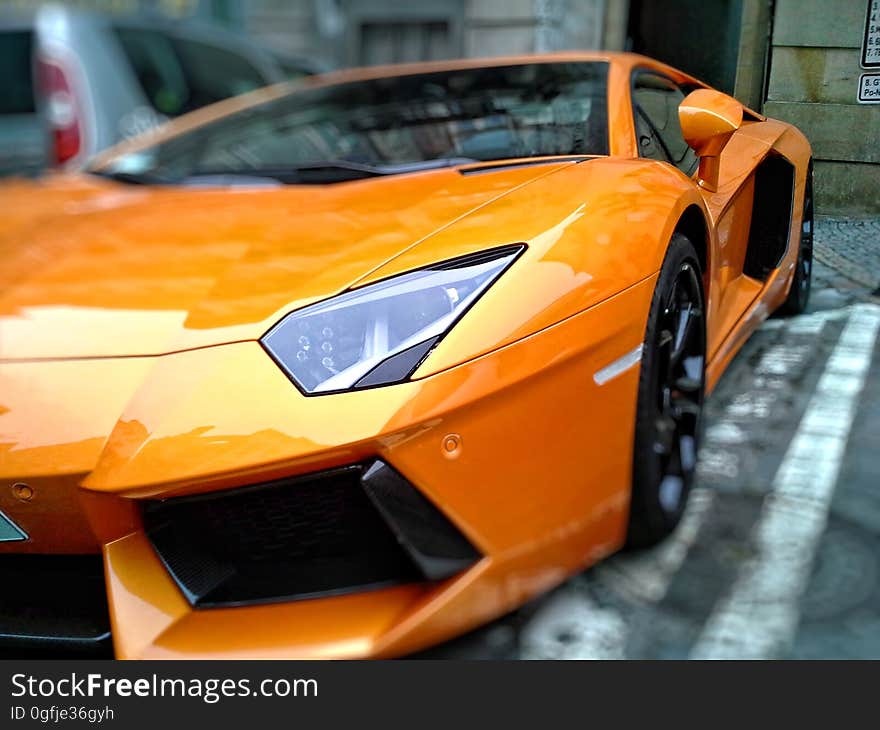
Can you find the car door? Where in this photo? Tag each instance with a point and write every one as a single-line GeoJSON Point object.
{"type": "Point", "coordinates": [655, 100]}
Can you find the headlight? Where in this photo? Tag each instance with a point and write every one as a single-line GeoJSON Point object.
{"type": "Point", "coordinates": [379, 334]}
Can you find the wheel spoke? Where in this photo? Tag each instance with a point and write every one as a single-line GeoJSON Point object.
{"type": "Point", "coordinates": [665, 436]}
{"type": "Point", "coordinates": [688, 321]}
{"type": "Point", "coordinates": [687, 453]}
{"type": "Point", "coordinates": [693, 367]}
{"type": "Point", "coordinates": [688, 385]}
{"type": "Point", "coordinates": [683, 408]}
{"type": "Point", "coordinates": [672, 298]}
{"type": "Point", "coordinates": [679, 380]}
{"type": "Point", "coordinates": [670, 493]}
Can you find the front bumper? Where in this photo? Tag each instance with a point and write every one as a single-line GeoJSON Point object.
{"type": "Point", "coordinates": [339, 531]}
{"type": "Point", "coordinates": [521, 450]}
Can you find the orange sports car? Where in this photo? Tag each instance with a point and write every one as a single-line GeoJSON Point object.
{"type": "Point", "coordinates": [348, 367]}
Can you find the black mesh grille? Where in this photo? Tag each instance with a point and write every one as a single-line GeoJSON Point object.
{"type": "Point", "coordinates": [293, 538]}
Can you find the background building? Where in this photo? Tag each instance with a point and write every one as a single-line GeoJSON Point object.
{"type": "Point", "coordinates": [797, 60]}
{"type": "Point", "coordinates": [813, 82]}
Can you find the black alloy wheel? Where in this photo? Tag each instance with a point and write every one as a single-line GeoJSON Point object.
{"type": "Point", "coordinates": [670, 403]}
{"type": "Point", "coordinates": [799, 294]}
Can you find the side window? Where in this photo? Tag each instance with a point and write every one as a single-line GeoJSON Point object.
{"type": "Point", "coordinates": [655, 108]}
{"type": "Point", "coordinates": [157, 69]}
{"type": "Point", "coordinates": [178, 75]}
{"type": "Point", "coordinates": [17, 86]}
{"type": "Point", "coordinates": [650, 145]}
{"type": "Point", "coordinates": [215, 73]}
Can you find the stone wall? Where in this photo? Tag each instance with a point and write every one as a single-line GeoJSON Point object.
{"type": "Point", "coordinates": [814, 73]}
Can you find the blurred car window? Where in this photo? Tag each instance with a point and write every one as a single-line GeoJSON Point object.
{"type": "Point", "coordinates": [179, 75]}
{"type": "Point", "coordinates": [291, 69]}
{"type": "Point", "coordinates": [484, 113]}
{"type": "Point", "coordinates": [22, 135]}
{"type": "Point", "coordinates": [16, 80]}
{"type": "Point", "coordinates": [215, 73]}
{"type": "Point", "coordinates": [158, 70]}
{"type": "Point", "coordinates": [297, 67]}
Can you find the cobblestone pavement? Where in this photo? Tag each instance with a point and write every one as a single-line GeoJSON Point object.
{"type": "Point", "coordinates": [851, 246]}
{"type": "Point", "coordinates": [778, 554]}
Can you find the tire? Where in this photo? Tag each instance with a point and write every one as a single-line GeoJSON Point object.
{"type": "Point", "coordinates": [799, 293]}
{"type": "Point", "coordinates": [670, 398]}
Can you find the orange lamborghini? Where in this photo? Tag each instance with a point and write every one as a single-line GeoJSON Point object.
{"type": "Point", "coordinates": [347, 367]}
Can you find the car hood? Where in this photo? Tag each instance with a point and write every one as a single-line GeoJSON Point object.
{"type": "Point", "coordinates": [93, 268]}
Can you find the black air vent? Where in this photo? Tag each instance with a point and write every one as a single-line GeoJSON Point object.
{"type": "Point", "coordinates": [303, 537]}
{"type": "Point", "coordinates": [771, 217]}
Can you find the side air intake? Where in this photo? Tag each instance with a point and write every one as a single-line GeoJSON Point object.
{"type": "Point", "coordinates": [771, 217]}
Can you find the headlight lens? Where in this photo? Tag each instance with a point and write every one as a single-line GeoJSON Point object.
{"type": "Point", "coordinates": [379, 334]}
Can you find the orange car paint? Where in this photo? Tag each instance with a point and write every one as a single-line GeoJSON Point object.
{"type": "Point", "coordinates": [130, 367]}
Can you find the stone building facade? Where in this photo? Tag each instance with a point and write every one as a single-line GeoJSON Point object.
{"type": "Point", "coordinates": [813, 83]}
{"type": "Point", "coordinates": [356, 32]}
{"type": "Point", "coordinates": [797, 60]}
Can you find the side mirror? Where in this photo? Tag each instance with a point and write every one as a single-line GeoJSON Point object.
{"type": "Point", "coordinates": [708, 118]}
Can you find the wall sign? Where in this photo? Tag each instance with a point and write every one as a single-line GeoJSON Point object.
{"type": "Point", "coordinates": [871, 39]}
{"type": "Point", "coordinates": [869, 88]}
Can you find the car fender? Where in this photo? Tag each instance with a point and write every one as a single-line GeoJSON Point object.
{"type": "Point", "coordinates": [592, 230]}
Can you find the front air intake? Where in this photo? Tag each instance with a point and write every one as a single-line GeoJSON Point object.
{"type": "Point", "coordinates": [53, 603]}
{"type": "Point", "coordinates": [354, 528]}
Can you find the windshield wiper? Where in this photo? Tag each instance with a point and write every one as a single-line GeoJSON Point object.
{"type": "Point", "coordinates": [131, 178]}
{"type": "Point", "coordinates": [327, 171]}
{"type": "Point", "coordinates": [368, 170]}
{"type": "Point", "coordinates": [220, 179]}
{"type": "Point", "coordinates": [314, 173]}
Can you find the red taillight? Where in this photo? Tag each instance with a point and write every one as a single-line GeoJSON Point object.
{"type": "Point", "coordinates": [61, 111]}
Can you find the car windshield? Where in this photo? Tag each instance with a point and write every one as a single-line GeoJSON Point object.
{"type": "Point", "coordinates": [390, 125]}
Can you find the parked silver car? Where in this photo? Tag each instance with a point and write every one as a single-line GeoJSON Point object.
{"type": "Point", "coordinates": [74, 83]}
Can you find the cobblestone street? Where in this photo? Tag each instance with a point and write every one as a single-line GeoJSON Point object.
{"type": "Point", "coordinates": [779, 551]}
